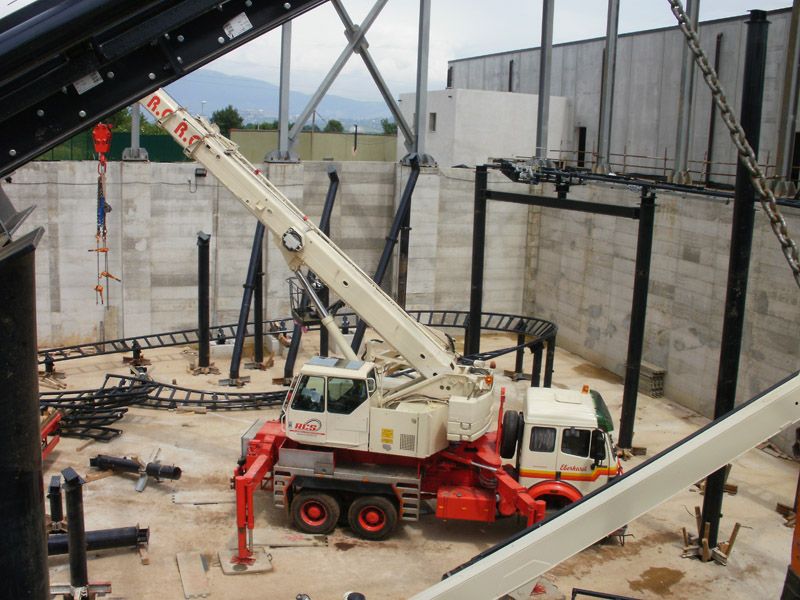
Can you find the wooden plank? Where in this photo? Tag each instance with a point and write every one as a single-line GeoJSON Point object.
{"type": "Point", "coordinates": [204, 498]}
{"type": "Point", "coordinates": [193, 575]}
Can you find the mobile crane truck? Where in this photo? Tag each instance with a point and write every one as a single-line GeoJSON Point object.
{"type": "Point", "coordinates": [354, 441]}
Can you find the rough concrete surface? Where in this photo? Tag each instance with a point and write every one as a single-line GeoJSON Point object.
{"type": "Point", "coordinates": [206, 447]}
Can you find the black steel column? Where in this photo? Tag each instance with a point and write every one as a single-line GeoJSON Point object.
{"type": "Point", "coordinates": [549, 362]}
{"type": "Point", "coordinates": [258, 310]}
{"type": "Point", "coordinates": [325, 227]}
{"type": "Point", "coordinates": [403, 210]}
{"type": "Point", "coordinates": [73, 492]}
{"type": "Point", "coordinates": [520, 356]}
{"type": "Point", "coordinates": [203, 332]}
{"type": "Point", "coordinates": [641, 281]}
{"type": "Point", "coordinates": [472, 338]}
{"type": "Point", "coordinates": [739, 262]}
{"type": "Point", "coordinates": [247, 296]}
{"type": "Point", "coordinates": [22, 535]}
{"type": "Point", "coordinates": [405, 240]}
{"type": "Point", "coordinates": [536, 369]}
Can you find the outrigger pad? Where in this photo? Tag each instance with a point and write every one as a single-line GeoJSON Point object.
{"type": "Point", "coordinates": [261, 564]}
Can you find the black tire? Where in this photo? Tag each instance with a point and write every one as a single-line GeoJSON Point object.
{"type": "Point", "coordinates": [512, 425]}
{"type": "Point", "coordinates": [315, 512]}
{"type": "Point", "coordinates": [372, 517]}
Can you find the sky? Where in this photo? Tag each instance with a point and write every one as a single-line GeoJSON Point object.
{"type": "Point", "coordinates": [459, 29]}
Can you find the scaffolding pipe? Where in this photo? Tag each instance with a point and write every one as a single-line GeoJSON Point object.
{"type": "Point", "coordinates": [740, 249]}
{"type": "Point", "coordinates": [607, 88]}
{"type": "Point", "coordinates": [21, 498]}
{"type": "Point", "coordinates": [545, 63]}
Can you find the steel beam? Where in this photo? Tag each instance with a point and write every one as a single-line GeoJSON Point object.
{"type": "Point", "coordinates": [203, 333]}
{"type": "Point", "coordinates": [383, 88]}
{"type": "Point", "coordinates": [628, 212]}
{"type": "Point", "coordinates": [641, 281]}
{"type": "Point", "coordinates": [739, 262]}
{"type": "Point", "coordinates": [680, 170]}
{"type": "Point", "coordinates": [545, 62]}
{"type": "Point", "coordinates": [472, 336]}
{"type": "Point", "coordinates": [421, 97]}
{"type": "Point", "coordinates": [284, 153]}
{"type": "Point", "coordinates": [354, 40]}
{"type": "Point", "coordinates": [607, 89]}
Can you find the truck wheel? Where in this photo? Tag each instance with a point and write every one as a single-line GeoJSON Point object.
{"type": "Point", "coordinates": [315, 512]}
{"type": "Point", "coordinates": [372, 517]}
{"type": "Point", "coordinates": [511, 429]}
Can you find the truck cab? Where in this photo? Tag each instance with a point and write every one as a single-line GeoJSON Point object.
{"type": "Point", "coordinates": [565, 444]}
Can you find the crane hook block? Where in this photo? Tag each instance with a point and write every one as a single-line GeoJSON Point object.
{"type": "Point", "coordinates": [101, 135]}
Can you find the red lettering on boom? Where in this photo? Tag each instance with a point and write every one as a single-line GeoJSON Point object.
{"type": "Point", "coordinates": [180, 130]}
{"type": "Point", "coordinates": [153, 103]}
{"type": "Point", "coordinates": [193, 139]}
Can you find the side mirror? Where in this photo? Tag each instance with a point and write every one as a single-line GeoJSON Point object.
{"type": "Point", "coordinates": [371, 386]}
{"type": "Point", "coordinates": [598, 451]}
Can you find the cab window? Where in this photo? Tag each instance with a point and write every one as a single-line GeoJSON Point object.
{"type": "Point", "coordinates": [543, 439]}
{"type": "Point", "coordinates": [575, 441]}
{"type": "Point", "coordinates": [310, 394]}
{"type": "Point", "coordinates": [345, 395]}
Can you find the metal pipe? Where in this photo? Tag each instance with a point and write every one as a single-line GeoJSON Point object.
{"type": "Point", "coordinates": [105, 462]}
{"type": "Point", "coordinates": [739, 262]}
{"type": "Point", "coordinates": [325, 227]}
{"type": "Point", "coordinates": [101, 539]}
{"type": "Point", "coordinates": [73, 490]}
{"type": "Point", "coordinates": [203, 324]}
{"type": "Point", "coordinates": [641, 280]}
{"type": "Point", "coordinates": [712, 121]}
{"type": "Point", "coordinates": [685, 95]}
{"type": "Point", "coordinates": [400, 217]}
{"type": "Point", "coordinates": [421, 98]}
{"type": "Point", "coordinates": [247, 296]}
{"type": "Point", "coordinates": [21, 498]}
{"type": "Point", "coordinates": [545, 62]}
{"type": "Point", "coordinates": [472, 337]}
{"type": "Point", "coordinates": [607, 88]}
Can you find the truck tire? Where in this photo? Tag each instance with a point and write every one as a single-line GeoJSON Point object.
{"type": "Point", "coordinates": [512, 426]}
{"type": "Point", "coordinates": [315, 512]}
{"type": "Point", "coordinates": [372, 517]}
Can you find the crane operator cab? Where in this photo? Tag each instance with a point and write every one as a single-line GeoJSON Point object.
{"type": "Point", "coordinates": [338, 402]}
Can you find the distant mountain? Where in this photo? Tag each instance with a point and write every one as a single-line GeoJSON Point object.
{"type": "Point", "coordinates": [257, 100]}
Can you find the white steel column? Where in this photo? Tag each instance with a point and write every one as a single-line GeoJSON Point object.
{"type": "Point", "coordinates": [680, 171]}
{"type": "Point", "coordinates": [135, 152]}
{"type": "Point", "coordinates": [545, 62]}
{"type": "Point", "coordinates": [284, 152]}
{"type": "Point", "coordinates": [607, 99]}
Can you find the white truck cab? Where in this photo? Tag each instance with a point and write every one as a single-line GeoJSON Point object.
{"type": "Point", "coordinates": [564, 444]}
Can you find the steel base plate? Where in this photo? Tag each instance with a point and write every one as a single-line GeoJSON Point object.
{"type": "Point", "coordinates": [261, 564]}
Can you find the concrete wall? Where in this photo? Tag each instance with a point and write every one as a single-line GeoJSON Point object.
{"type": "Point", "coordinates": [255, 144]}
{"type": "Point", "coordinates": [575, 269]}
{"type": "Point", "coordinates": [474, 125]}
{"type": "Point", "coordinates": [646, 90]}
{"type": "Point", "coordinates": [583, 274]}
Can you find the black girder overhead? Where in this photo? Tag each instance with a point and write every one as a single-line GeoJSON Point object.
{"type": "Point", "coordinates": [69, 63]}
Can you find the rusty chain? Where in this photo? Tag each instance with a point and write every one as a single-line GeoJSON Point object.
{"type": "Point", "coordinates": [746, 153]}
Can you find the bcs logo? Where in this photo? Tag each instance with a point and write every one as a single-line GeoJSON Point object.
{"type": "Point", "coordinates": [310, 426]}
